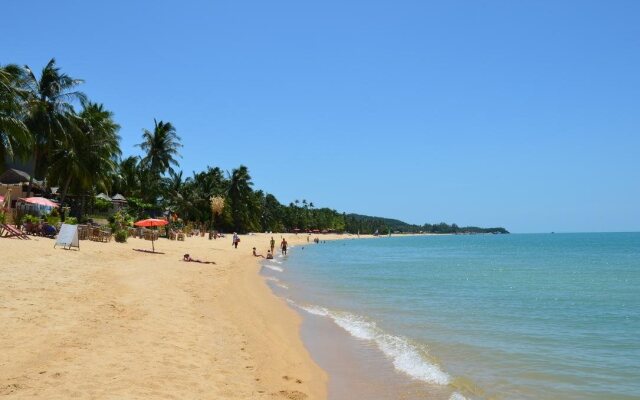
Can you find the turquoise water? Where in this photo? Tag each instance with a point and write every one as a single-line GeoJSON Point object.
{"type": "Point", "coordinates": [536, 316]}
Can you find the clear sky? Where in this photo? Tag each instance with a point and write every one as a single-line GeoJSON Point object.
{"type": "Point", "coordinates": [523, 114]}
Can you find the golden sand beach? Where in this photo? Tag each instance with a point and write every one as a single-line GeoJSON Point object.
{"type": "Point", "coordinates": [109, 322]}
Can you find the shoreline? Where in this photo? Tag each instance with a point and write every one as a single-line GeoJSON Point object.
{"type": "Point", "coordinates": [360, 359]}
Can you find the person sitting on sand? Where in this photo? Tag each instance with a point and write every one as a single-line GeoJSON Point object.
{"type": "Point", "coordinates": [256, 255]}
{"type": "Point", "coordinates": [269, 255]}
{"type": "Point", "coordinates": [187, 258]}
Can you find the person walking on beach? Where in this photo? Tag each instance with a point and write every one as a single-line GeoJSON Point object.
{"type": "Point", "coordinates": [283, 246]}
{"type": "Point", "coordinates": [236, 240]}
{"type": "Point", "coordinates": [273, 243]}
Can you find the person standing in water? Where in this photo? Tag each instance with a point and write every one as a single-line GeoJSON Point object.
{"type": "Point", "coordinates": [273, 244]}
{"type": "Point", "coordinates": [283, 246]}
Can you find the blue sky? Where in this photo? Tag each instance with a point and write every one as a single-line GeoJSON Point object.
{"type": "Point", "coordinates": [512, 113]}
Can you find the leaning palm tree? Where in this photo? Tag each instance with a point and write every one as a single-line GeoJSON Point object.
{"type": "Point", "coordinates": [51, 113]}
{"type": "Point", "coordinates": [161, 147]}
{"type": "Point", "coordinates": [15, 140]}
{"type": "Point", "coordinates": [89, 157]}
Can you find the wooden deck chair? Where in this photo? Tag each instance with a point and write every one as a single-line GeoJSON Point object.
{"type": "Point", "coordinates": [8, 231]}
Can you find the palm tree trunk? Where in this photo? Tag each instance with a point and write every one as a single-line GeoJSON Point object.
{"type": "Point", "coordinates": [35, 163]}
{"type": "Point", "coordinates": [63, 195]}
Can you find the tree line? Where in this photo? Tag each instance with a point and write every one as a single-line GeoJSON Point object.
{"type": "Point", "coordinates": [74, 144]}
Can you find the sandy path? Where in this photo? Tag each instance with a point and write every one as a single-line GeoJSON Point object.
{"type": "Point", "coordinates": [107, 322]}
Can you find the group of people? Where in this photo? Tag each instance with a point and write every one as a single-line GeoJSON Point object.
{"type": "Point", "coordinates": [234, 243]}
{"type": "Point", "coordinates": [271, 251]}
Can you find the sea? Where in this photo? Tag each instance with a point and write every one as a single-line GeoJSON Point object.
{"type": "Point", "coordinates": [453, 317]}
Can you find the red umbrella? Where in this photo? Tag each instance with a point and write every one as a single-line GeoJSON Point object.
{"type": "Point", "coordinates": [40, 201]}
{"type": "Point", "coordinates": [151, 222]}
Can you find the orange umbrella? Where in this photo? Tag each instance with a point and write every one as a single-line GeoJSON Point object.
{"type": "Point", "coordinates": [151, 222]}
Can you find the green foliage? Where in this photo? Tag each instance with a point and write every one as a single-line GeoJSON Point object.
{"type": "Point", "coordinates": [368, 225]}
{"type": "Point", "coordinates": [102, 205]}
{"type": "Point", "coordinates": [121, 236]}
{"type": "Point", "coordinates": [15, 138]}
{"type": "Point", "coordinates": [120, 220]}
{"type": "Point", "coordinates": [138, 208]}
{"type": "Point", "coordinates": [30, 218]}
{"type": "Point", "coordinates": [50, 115]}
{"type": "Point", "coordinates": [52, 219]}
{"type": "Point", "coordinates": [71, 221]}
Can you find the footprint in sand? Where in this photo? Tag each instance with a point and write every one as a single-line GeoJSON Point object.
{"type": "Point", "coordinates": [293, 394]}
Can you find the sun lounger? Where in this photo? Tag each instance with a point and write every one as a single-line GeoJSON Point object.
{"type": "Point", "coordinates": [8, 231]}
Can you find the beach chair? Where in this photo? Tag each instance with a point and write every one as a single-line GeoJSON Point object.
{"type": "Point", "coordinates": [105, 235]}
{"type": "Point", "coordinates": [95, 234]}
{"type": "Point", "coordinates": [83, 232]}
{"type": "Point", "coordinates": [7, 231]}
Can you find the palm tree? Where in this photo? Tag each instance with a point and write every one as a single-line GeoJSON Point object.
{"type": "Point", "coordinates": [127, 178]}
{"type": "Point", "coordinates": [89, 158]}
{"type": "Point", "coordinates": [240, 198]}
{"type": "Point", "coordinates": [161, 147]}
{"type": "Point", "coordinates": [176, 197]}
{"type": "Point", "coordinates": [15, 140]}
{"type": "Point", "coordinates": [51, 112]}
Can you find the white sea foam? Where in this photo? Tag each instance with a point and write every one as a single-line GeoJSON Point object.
{"type": "Point", "coordinates": [457, 396]}
{"type": "Point", "coordinates": [273, 267]}
{"type": "Point", "coordinates": [271, 278]}
{"type": "Point", "coordinates": [356, 326]}
{"type": "Point", "coordinates": [282, 285]}
{"type": "Point", "coordinates": [315, 310]}
{"type": "Point", "coordinates": [405, 356]}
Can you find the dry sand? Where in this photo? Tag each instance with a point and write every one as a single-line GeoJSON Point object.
{"type": "Point", "coordinates": [108, 322]}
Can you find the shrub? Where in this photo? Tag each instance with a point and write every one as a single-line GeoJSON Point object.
{"type": "Point", "coordinates": [102, 204]}
{"type": "Point", "coordinates": [120, 220]}
{"type": "Point", "coordinates": [30, 218]}
{"type": "Point", "coordinates": [71, 221]}
{"type": "Point", "coordinates": [121, 236]}
{"type": "Point", "coordinates": [52, 220]}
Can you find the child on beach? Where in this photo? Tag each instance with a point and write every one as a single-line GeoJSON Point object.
{"type": "Point", "coordinates": [236, 240]}
{"type": "Point", "coordinates": [272, 243]}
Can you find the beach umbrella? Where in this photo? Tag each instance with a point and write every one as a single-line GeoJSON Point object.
{"type": "Point", "coordinates": [41, 201]}
{"type": "Point", "coordinates": [149, 222]}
